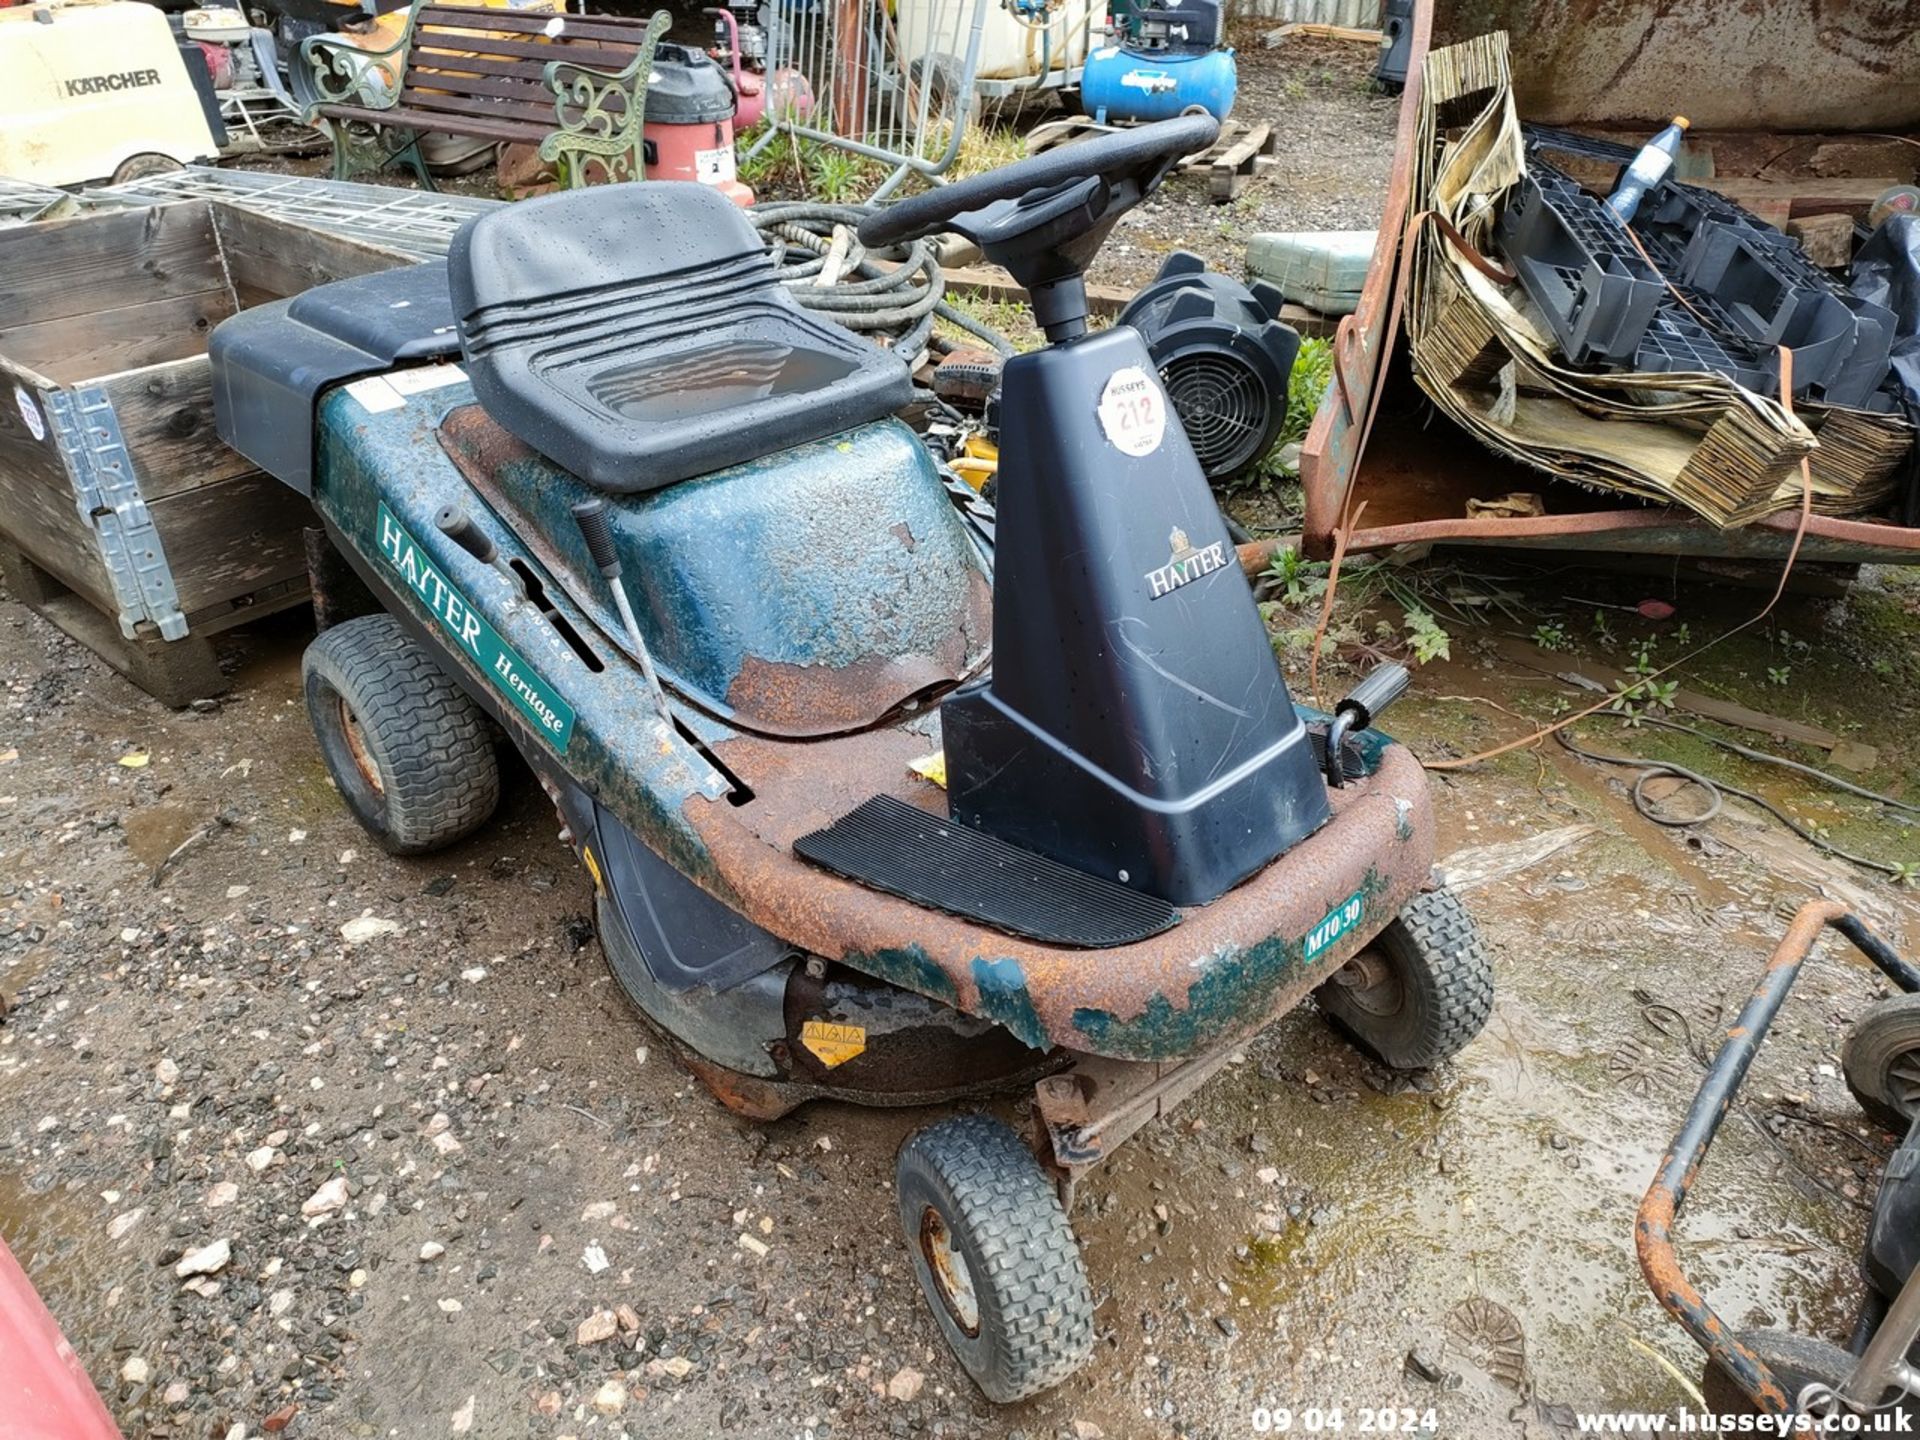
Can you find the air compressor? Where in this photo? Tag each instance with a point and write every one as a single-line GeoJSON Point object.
{"type": "Point", "coordinates": [1162, 58]}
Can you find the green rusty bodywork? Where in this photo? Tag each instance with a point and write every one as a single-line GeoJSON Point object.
{"type": "Point", "coordinates": [904, 574]}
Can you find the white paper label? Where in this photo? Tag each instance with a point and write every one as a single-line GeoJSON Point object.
{"type": "Point", "coordinates": [30, 412]}
{"type": "Point", "coordinates": [426, 377]}
{"type": "Point", "coordinates": [1133, 411]}
{"type": "Point", "coordinates": [713, 167]}
{"type": "Point", "coordinates": [376, 395]}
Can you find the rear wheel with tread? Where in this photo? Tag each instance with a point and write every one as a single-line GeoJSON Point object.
{"type": "Point", "coordinates": [995, 1255]}
{"type": "Point", "coordinates": [1881, 1061]}
{"type": "Point", "coordinates": [411, 754]}
{"type": "Point", "coordinates": [1420, 990]}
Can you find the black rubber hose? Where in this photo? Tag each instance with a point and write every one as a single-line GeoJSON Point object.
{"type": "Point", "coordinates": [899, 302]}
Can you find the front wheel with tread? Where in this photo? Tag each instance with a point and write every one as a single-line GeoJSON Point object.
{"type": "Point", "coordinates": [1420, 990]}
{"type": "Point", "coordinates": [1881, 1061]}
{"type": "Point", "coordinates": [1796, 1361]}
{"type": "Point", "coordinates": [410, 753]}
{"type": "Point", "coordinates": [995, 1255]}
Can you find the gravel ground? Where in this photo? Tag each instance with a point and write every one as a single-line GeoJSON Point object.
{"type": "Point", "coordinates": [298, 1136]}
{"type": "Point", "coordinates": [1335, 134]}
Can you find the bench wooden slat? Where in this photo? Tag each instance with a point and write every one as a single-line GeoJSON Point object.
{"type": "Point", "coordinates": [526, 71]}
{"type": "Point", "coordinates": [529, 112]}
{"type": "Point", "coordinates": [530, 71]}
{"type": "Point", "coordinates": [613, 28]}
{"type": "Point", "coordinates": [427, 120]}
{"type": "Point", "coordinates": [601, 57]}
{"type": "Point", "coordinates": [420, 82]}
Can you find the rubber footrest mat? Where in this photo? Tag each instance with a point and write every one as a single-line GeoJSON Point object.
{"type": "Point", "coordinates": [901, 849]}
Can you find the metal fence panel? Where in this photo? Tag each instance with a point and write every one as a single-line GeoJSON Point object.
{"type": "Point", "coordinates": [891, 83]}
{"type": "Point", "coordinates": [403, 222]}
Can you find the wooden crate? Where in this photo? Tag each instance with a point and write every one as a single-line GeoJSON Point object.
{"type": "Point", "coordinates": [123, 519]}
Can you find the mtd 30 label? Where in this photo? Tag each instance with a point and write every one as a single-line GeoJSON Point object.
{"type": "Point", "coordinates": [550, 716]}
{"type": "Point", "coordinates": [1335, 925]}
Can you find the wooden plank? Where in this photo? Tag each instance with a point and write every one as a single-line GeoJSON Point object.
{"type": "Point", "coordinates": [990, 282]}
{"type": "Point", "coordinates": [75, 349]}
{"type": "Point", "coordinates": [408, 119]}
{"type": "Point", "coordinates": [1817, 196]}
{"type": "Point", "coordinates": [516, 112]}
{"type": "Point", "coordinates": [38, 510]}
{"type": "Point", "coordinates": [103, 261]}
{"type": "Point", "coordinates": [1827, 239]}
{"type": "Point", "coordinates": [269, 259]}
{"type": "Point", "coordinates": [458, 20]}
{"type": "Point", "coordinates": [166, 418]}
{"type": "Point", "coordinates": [600, 57]}
{"type": "Point", "coordinates": [1234, 166]}
{"type": "Point", "coordinates": [231, 539]}
{"type": "Point", "coordinates": [1725, 711]}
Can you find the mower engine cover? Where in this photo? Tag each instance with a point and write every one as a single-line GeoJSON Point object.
{"type": "Point", "coordinates": [84, 88]}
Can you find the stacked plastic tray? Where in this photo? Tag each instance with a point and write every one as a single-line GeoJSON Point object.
{"type": "Point", "coordinates": [1722, 293]}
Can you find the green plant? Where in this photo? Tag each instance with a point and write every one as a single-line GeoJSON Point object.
{"type": "Point", "coordinates": [1550, 636]}
{"type": "Point", "coordinates": [1779, 674]}
{"type": "Point", "coordinates": [1906, 872]}
{"type": "Point", "coordinates": [839, 177]}
{"type": "Point", "coordinates": [1683, 635]}
{"type": "Point", "coordinates": [1300, 580]}
{"type": "Point", "coordinates": [1426, 639]}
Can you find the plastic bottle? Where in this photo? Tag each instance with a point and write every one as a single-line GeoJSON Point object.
{"type": "Point", "coordinates": [1648, 169]}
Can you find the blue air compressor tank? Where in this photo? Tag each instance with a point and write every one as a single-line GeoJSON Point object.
{"type": "Point", "coordinates": [1124, 84]}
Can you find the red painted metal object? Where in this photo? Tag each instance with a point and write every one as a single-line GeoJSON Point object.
{"type": "Point", "coordinates": [44, 1390]}
{"type": "Point", "coordinates": [1414, 475]}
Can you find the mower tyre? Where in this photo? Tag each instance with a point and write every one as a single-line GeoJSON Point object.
{"type": "Point", "coordinates": [995, 1255]}
{"type": "Point", "coordinates": [1881, 1061]}
{"type": "Point", "coordinates": [1420, 990]}
{"type": "Point", "coordinates": [1796, 1361]}
{"type": "Point", "coordinates": [410, 754]}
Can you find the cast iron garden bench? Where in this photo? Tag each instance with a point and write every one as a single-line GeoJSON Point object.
{"type": "Point", "coordinates": [573, 85]}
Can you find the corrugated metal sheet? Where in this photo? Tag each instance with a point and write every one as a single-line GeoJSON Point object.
{"type": "Point", "coordinates": [1360, 14]}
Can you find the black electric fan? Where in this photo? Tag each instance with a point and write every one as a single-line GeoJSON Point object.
{"type": "Point", "coordinates": [1224, 357]}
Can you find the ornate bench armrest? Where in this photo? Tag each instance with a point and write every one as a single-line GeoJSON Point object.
{"type": "Point", "coordinates": [328, 70]}
{"type": "Point", "coordinates": [583, 104]}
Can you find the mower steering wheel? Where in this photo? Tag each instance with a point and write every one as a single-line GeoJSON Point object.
{"type": "Point", "coordinates": [1030, 192]}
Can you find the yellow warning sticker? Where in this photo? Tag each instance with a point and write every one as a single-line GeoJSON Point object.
{"type": "Point", "coordinates": [593, 868]}
{"type": "Point", "coordinates": [931, 767]}
{"type": "Point", "coordinates": [833, 1044]}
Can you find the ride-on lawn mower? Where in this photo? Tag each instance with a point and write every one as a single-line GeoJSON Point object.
{"type": "Point", "coordinates": [617, 491]}
{"type": "Point", "coordinates": [1871, 1386]}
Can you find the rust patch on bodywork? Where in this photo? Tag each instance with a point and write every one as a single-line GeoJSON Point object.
{"type": "Point", "coordinates": [1228, 968]}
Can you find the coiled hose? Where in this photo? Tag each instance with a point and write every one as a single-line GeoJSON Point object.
{"type": "Point", "coordinates": [898, 303]}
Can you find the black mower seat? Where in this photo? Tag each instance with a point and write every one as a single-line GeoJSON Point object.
{"type": "Point", "coordinates": [637, 334]}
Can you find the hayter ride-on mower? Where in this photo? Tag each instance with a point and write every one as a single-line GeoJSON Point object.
{"type": "Point", "coordinates": [1872, 1386]}
{"type": "Point", "coordinates": [617, 491]}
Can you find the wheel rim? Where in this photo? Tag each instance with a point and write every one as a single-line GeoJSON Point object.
{"type": "Point", "coordinates": [952, 1280]}
{"type": "Point", "coordinates": [1903, 1082]}
{"type": "Point", "coordinates": [357, 748]}
{"type": "Point", "coordinates": [1371, 985]}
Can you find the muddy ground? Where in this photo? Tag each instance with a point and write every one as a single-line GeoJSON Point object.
{"type": "Point", "coordinates": [418, 1150]}
{"type": "Point", "coordinates": [195, 1054]}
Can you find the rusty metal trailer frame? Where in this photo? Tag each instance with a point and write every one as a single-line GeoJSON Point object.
{"type": "Point", "coordinates": [1404, 465]}
{"type": "Point", "coordinates": [1882, 1366]}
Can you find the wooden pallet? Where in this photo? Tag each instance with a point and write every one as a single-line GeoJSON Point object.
{"type": "Point", "coordinates": [1241, 153]}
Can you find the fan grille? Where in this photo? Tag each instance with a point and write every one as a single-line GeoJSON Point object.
{"type": "Point", "coordinates": [1223, 407]}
